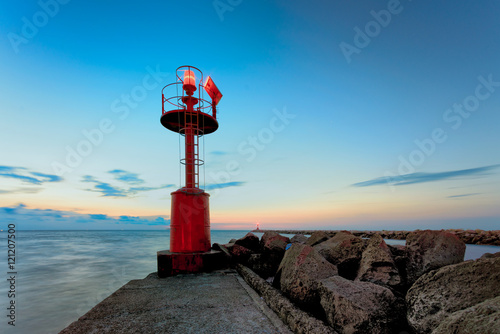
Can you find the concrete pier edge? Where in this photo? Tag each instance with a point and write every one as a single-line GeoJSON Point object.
{"type": "Point", "coordinates": [298, 320]}
{"type": "Point", "coordinates": [268, 312]}
{"type": "Point", "coordinates": [220, 301]}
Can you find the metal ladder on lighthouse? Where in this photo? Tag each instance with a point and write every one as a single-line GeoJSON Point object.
{"type": "Point", "coordinates": [191, 128]}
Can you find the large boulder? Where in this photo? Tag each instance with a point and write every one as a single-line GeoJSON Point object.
{"type": "Point", "coordinates": [482, 318]}
{"type": "Point", "coordinates": [360, 307]}
{"type": "Point", "coordinates": [250, 241]}
{"type": "Point", "coordinates": [490, 256]}
{"type": "Point", "coordinates": [428, 250]}
{"type": "Point", "coordinates": [239, 253]}
{"type": "Point", "coordinates": [299, 272]}
{"type": "Point", "coordinates": [263, 265]}
{"type": "Point", "coordinates": [273, 246]}
{"type": "Point", "coordinates": [298, 238]}
{"type": "Point", "coordinates": [439, 293]}
{"type": "Point", "coordinates": [297, 320]}
{"type": "Point", "coordinates": [397, 250]}
{"type": "Point", "coordinates": [399, 255]}
{"type": "Point", "coordinates": [317, 238]}
{"type": "Point", "coordinates": [343, 250]}
{"type": "Point", "coordinates": [273, 242]}
{"type": "Point", "coordinates": [224, 249]}
{"type": "Point", "coordinates": [377, 265]}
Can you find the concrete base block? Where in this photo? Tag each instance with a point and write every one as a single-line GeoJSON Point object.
{"type": "Point", "coordinates": [171, 264]}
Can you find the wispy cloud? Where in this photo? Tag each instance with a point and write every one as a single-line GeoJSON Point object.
{"type": "Point", "coordinates": [224, 185]}
{"type": "Point", "coordinates": [104, 188]}
{"type": "Point", "coordinates": [25, 175]}
{"type": "Point", "coordinates": [9, 168]}
{"type": "Point", "coordinates": [21, 191]}
{"type": "Point", "coordinates": [98, 217]}
{"type": "Point", "coordinates": [135, 190]}
{"type": "Point", "coordinates": [141, 221]}
{"type": "Point", "coordinates": [20, 209]}
{"type": "Point", "coordinates": [414, 178]}
{"type": "Point", "coordinates": [47, 177]}
{"type": "Point", "coordinates": [127, 177]}
{"type": "Point", "coordinates": [12, 210]}
{"type": "Point", "coordinates": [463, 195]}
{"type": "Point", "coordinates": [57, 219]}
{"type": "Point", "coordinates": [109, 190]}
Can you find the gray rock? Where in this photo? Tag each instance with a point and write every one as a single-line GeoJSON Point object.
{"type": "Point", "coordinates": [299, 321]}
{"type": "Point", "coordinates": [273, 247]}
{"type": "Point", "coordinates": [250, 241]}
{"type": "Point", "coordinates": [439, 293]}
{"type": "Point", "coordinates": [399, 255]}
{"type": "Point", "coordinates": [239, 253]}
{"type": "Point", "coordinates": [273, 242]}
{"type": "Point", "coordinates": [490, 255]}
{"type": "Point", "coordinates": [263, 264]}
{"type": "Point", "coordinates": [223, 249]}
{"type": "Point", "coordinates": [299, 272]}
{"type": "Point", "coordinates": [482, 318]}
{"type": "Point", "coordinates": [428, 250]}
{"type": "Point", "coordinates": [317, 237]}
{"type": "Point", "coordinates": [377, 265]}
{"type": "Point", "coordinates": [397, 250]}
{"type": "Point", "coordinates": [344, 250]}
{"type": "Point", "coordinates": [298, 238]}
{"type": "Point", "coordinates": [360, 307]}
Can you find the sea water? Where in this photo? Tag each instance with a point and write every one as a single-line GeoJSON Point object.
{"type": "Point", "coordinates": [60, 275]}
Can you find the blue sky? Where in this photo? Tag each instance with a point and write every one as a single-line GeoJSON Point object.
{"type": "Point", "coordinates": [335, 114]}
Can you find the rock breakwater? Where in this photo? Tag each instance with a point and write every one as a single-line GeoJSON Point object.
{"type": "Point", "coordinates": [472, 237]}
{"type": "Point", "coordinates": [353, 282]}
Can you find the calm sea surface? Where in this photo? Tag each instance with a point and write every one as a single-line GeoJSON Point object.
{"type": "Point", "coordinates": [63, 274]}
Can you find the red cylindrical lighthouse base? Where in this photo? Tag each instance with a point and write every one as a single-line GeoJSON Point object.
{"type": "Point", "coordinates": [189, 221]}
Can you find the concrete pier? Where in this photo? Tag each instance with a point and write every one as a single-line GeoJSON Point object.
{"type": "Point", "coordinates": [217, 302]}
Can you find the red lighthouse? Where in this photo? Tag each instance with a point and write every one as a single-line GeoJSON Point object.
{"type": "Point", "coordinates": [187, 112]}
